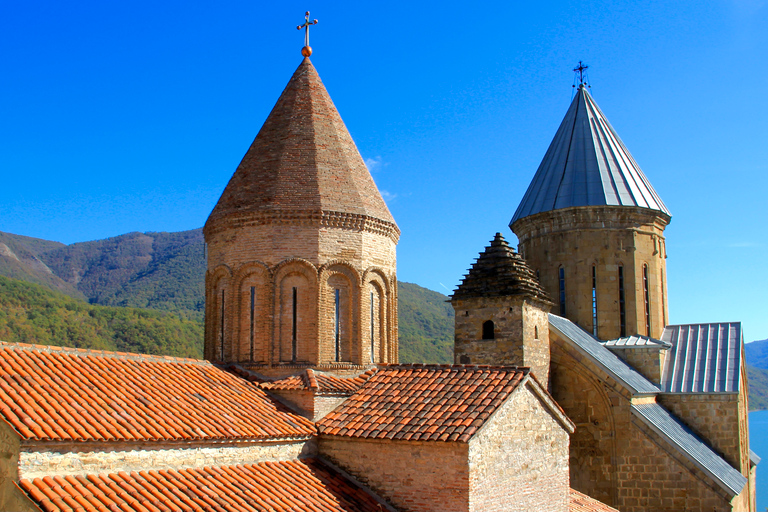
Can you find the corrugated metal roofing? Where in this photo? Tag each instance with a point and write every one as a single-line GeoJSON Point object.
{"type": "Point", "coordinates": [680, 436]}
{"type": "Point", "coordinates": [587, 164]}
{"type": "Point", "coordinates": [636, 341]}
{"type": "Point", "coordinates": [587, 344]}
{"type": "Point", "coordinates": [755, 458]}
{"type": "Point", "coordinates": [705, 358]}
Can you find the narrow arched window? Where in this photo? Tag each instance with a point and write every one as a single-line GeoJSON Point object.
{"type": "Point", "coordinates": [622, 305]}
{"type": "Point", "coordinates": [647, 299]}
{"type": "Point", "coordinates": [594, 301]}
{"type": "Point", "coordinates": [253, 319]}
{"type": "Point", "coordinates": [562, 290]}
{"type": "Point", "coordinates": [337, 324]}
{"type": "Point", "coordinates": [535, 332]}
{"type": "Point", "coordinates": [488, 333]}
{"type": "Point", "coordinates": [294, 323]}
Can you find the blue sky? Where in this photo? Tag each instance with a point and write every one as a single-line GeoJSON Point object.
{"type": "Point", "coordinates": [122, 117]}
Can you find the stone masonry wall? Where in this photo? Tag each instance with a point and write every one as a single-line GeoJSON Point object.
{"type": "Point", "coordinates": [519, 459]}
{"type": "Point", "coordinates": [647, 361]}
{"type": "Point", "coordinates": [12, 499]}
{"type": "Point", "coordinates": [412, 476]}
{"type": "Point", "coordinates": [40, 460]}
{"type": "Point", "coordinates": [521, 333]}
{"type": "Point", "coordinates": [607, 237]}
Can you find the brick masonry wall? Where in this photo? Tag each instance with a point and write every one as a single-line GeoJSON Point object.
{"type": "Point", "coordinates": [36, 461]}
{"type": "Point", "coordinates": [521, 333]}
{"type": "Point", "coordinates": [606, 237]}
{"type": "Point", "coordinates": [275, 258]}
{"type": "Point", "coordinates": [412, 476]}
{"type": "Point", "coordinates": [519, 459]}
{"type": "Point", "coordinates": [309, 404]}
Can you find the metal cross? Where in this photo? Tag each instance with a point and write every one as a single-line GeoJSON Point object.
{"type": "Point", "coordinates": [306, 26]}
{"type": "Point", "coordinates": [580, 70]}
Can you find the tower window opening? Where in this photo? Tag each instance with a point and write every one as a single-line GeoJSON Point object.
{"type": "Point", "coordinates": [336, 328]}
{"type": "Point", "coordinates": [535, 332]}
{"type": "Point", "coordinates": [594, 301]}
{"type": "Point", "coordinates": [294, 334]}
{"type": "Point", "coordinates": [647, 300]}
{"type": "Point", "coordinates": [538, 275]}
{"type": "Point", "coordinates": [373, 330]}
{"type": "Point", "coordinates": [488, 329]}
{"type": "Point", "coordinates": [622, 305]}
{"type": "Point", "coordinates": [562, 290]}
{"type": "Point", "coordinates": [253, 316]}
{"type": "Point", "coordinates": [221, 333]}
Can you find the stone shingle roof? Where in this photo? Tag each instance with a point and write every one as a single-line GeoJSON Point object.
{"type": "Point", "coordinates": [587, 164]}
{"type": "Point", "coordinates": [499, 271]}
{"type": "Point", "coordinates": [424, 402]}
{"type": "Point", "coordinates": [303, 165]}
{"type": "Point", "coordinates": [320, 382]}
{"type": "Point", "coordinates": [305, 484]}
{"type": "Point", "coordinates": [53, 393]}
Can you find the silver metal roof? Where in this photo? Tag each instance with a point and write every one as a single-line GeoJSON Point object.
{"type": "Point", "coordinates": [754, 458]}
{"type": "Point", "coordinates": [680, 436]}
{"type": "Point", "coordinates": [603, 357]}
{"type": "Point", "coordinates": [636, 341]}
{"type": "Point", "coordinates": [705, 358]}
{"type": "Point", "coordinates": [587, 164]}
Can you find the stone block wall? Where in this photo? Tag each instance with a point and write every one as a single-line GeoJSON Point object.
{"type": "Point", "coordinates": [309, 404]}
{"type": "Point", "coordinates": [521, 333]}
{"type": "Point", "coordinates": [649, 362]}
{"type": "Point", "coordinates": [419, 476]}
{"type": "Point", "coordinates": [519, 459]}
{"type": "Point", "coordinates": [12, 499]}
{"type": "Point", "coordinates": [607, 238]}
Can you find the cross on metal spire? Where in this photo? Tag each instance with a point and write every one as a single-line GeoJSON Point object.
{"type": "Point", "coordinates": [307, 50]}
{"type": "Point", "coordinates": [580, 70]}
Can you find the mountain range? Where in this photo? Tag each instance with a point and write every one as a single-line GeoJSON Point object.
{"type": "Point", "coordinates": [144, 292]}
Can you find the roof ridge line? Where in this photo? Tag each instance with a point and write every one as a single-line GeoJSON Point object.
{"type": "Point", "coordinates": [84, 352]}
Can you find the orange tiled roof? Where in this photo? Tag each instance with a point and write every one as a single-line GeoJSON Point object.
{"type": "Point", "coordinates": [580, 502]}
{"type": "Point", "coordinates": [424, 402]}
{"type": "Point", "coordinates": [319, 382]}
{"type": "Point", "coordinates": [276, 486]}
{"type": "Point", "coordinates": [53, 393]}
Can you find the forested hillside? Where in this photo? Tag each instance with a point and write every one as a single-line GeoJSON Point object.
{"type": "Point", "coordinates": [30, 313]}
{"type": "Point", "coordinates": [425, 324]}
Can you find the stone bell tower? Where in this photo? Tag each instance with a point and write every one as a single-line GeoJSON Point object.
{"type": "Point", "coordinates": [501, 313]}
{"type": "Point", "coordinates": [592, 227]}
{"type": "Point", "coordinates": [301, 247]}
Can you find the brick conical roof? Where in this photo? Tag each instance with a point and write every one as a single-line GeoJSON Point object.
{"type": "Point", "coordinates": [498, 272]}
{"type": "Point", "coordinates": [303, 164]}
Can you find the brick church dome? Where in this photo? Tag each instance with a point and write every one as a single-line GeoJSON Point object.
{"type": "Point", "coordinates": [303, 164]}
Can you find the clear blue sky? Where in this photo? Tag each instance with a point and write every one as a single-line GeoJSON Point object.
{"type": "Point", "coordinates": [132, 116]}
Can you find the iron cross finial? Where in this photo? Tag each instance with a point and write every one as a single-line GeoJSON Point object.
{"type": "Point", "coordinates": [307, 50]}
{"type": "Point", "coordinates": [580, 70]}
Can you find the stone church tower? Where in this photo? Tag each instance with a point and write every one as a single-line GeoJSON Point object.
{"type": "Point", "coordinates": [501, 313]}
{"type": "Point", "coordinates": [592, 227]}
{"type": "Point", "coordinates": [301, 247]}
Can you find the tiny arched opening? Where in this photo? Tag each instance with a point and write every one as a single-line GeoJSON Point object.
{"type": "Point", "coordinates": [488, 333]}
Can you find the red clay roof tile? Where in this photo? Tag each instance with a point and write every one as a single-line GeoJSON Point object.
{"type": "Point", "coordinates": [580, 502]}
{"type": "Point", "coordinates": [417, 402]}
{"type": "Point", "coordinates": [52, 393]}
{"type": "Point", "coordinates": [313, 380]}
{"type": "Point", "coordinates": [306, 484]}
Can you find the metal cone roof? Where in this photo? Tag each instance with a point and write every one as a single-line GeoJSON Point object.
{"type": "Point", "coordinates": [302, 162]}
{"type": "Point", "coordinates": [587, 164]}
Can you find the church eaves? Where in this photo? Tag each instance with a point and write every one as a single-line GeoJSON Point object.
{"type": "Point", "coordinates": [304, 165]}
{"type": "Point", "coordinates": [587, 164]}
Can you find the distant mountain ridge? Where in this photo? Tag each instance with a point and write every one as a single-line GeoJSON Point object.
{"type": "Point", "coordinates": [166, 272]}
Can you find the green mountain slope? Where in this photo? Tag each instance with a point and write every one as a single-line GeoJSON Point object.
{"type": "Point", "coordinates": [30, 313]}
{"type": "Point", "coordinates": [425, 325]}
{"type": "Point", "coordinates": [757, 353]}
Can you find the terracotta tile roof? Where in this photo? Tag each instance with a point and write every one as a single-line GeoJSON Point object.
{"type": "Point", "coordinates": [275, 486]}
{"type": "Point", "coordinates": [319, 382]}
{"type": "Point", "coordinates": [424, 402]}
{"type": "Point", "coordinates": [580, 502]}
{"type": "Point", "coordinates": [52, 393]}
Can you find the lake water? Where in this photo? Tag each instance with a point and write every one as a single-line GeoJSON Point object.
{"type": "Point", "coordinates": [758, 442]}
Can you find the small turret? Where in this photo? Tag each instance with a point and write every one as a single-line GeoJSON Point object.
{"type": "Point", "coordinates": [501, 313]}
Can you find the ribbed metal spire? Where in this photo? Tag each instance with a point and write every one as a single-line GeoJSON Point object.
{"type": "Point", "coordinates": [587, 164]}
